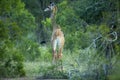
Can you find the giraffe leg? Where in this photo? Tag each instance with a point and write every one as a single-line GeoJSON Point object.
{"type": "Point", "coordinates": [54, 56]}
{"type": "Point", "coordinates": [60, 53]}
{"type": "Point", "coordinates": [61, 44]}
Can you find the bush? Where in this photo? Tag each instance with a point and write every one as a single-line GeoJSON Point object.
{"type": "Point", "coordinates": [11, 61]}
{"type": "Point", "coordinates": [53, 72]}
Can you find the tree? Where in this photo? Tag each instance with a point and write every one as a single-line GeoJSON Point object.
{"type": "Point", "coordinates": [16, 26]}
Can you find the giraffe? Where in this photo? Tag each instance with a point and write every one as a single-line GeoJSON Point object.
{"type": "Point", "coordinates": [57, 38]}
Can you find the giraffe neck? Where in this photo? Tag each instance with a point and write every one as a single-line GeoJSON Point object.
{"type": "Point", "coordinates": [53, 21]}
{"type": "Point", "coordinates": [52, 17]}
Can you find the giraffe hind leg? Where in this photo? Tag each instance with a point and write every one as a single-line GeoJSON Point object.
{"type": "Point", "coordinates": [54, 55]}
{"type": "Point", "coordinates": [60, 53]}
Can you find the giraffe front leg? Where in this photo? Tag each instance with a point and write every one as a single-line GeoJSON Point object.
{"type": "Point", "coordinates": [54, 51]}
{"type": "Point", "coordinates": [54, 56]}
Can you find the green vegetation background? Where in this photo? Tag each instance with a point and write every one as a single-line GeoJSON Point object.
{"type": "Point", "coordinates": [88, 25]}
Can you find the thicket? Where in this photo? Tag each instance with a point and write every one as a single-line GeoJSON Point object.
{"type": "Point", "coordinates": [92, 37]}
{"type": "Point", "coordinates": [16, 28]}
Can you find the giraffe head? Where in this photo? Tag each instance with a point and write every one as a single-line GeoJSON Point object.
{"type": "Point", "coordinates": [51, 7]}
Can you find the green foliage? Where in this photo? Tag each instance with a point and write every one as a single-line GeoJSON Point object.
{"type": "Point", "coordinates": [47, 22]}
{"type": "Point", "coordinates": [30, 50]}
{"type": "Point", "coordinates": [115, 72]}
{"type": "Point", "coordinates": [10, 57]}
{"type": "Point", "coordinates": [10, 61]}
{"type": "Point", "coordinates": [86, 64]}
{"type": "Point", "coordinates": [32, 68]}
{"type": "Point", "coordinates": [46, 54]}
{"type": "Point", "coordinates": [15, 25]}
{"type": "Point", "coordinates": [92, 12]}
{"type": "Point", "coordinates": [3, 31]}
{"type": "Point", "coordinates": [53, 71]}
{"type": "Point", "coordinates": [82, 21]}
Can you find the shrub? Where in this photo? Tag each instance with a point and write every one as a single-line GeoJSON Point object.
{"type": "Point", "coordinates": [10, 61]}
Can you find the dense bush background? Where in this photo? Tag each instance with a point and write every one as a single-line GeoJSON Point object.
{"type": "Point", "coordinates": [92, 38]}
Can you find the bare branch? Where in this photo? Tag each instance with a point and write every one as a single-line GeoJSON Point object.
{"type": "Point", "coordinates": [115, 37]}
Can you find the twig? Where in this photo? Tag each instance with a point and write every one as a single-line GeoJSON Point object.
{"type": "Point", "coordinates": [115, 37]}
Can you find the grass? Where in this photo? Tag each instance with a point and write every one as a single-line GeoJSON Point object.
{"type": "Point", "coordinates": [42, 70]}
{"type": "Point", "coordinates": [73, 64]}
{"type": "Point", "coordinates": [33, 68]}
